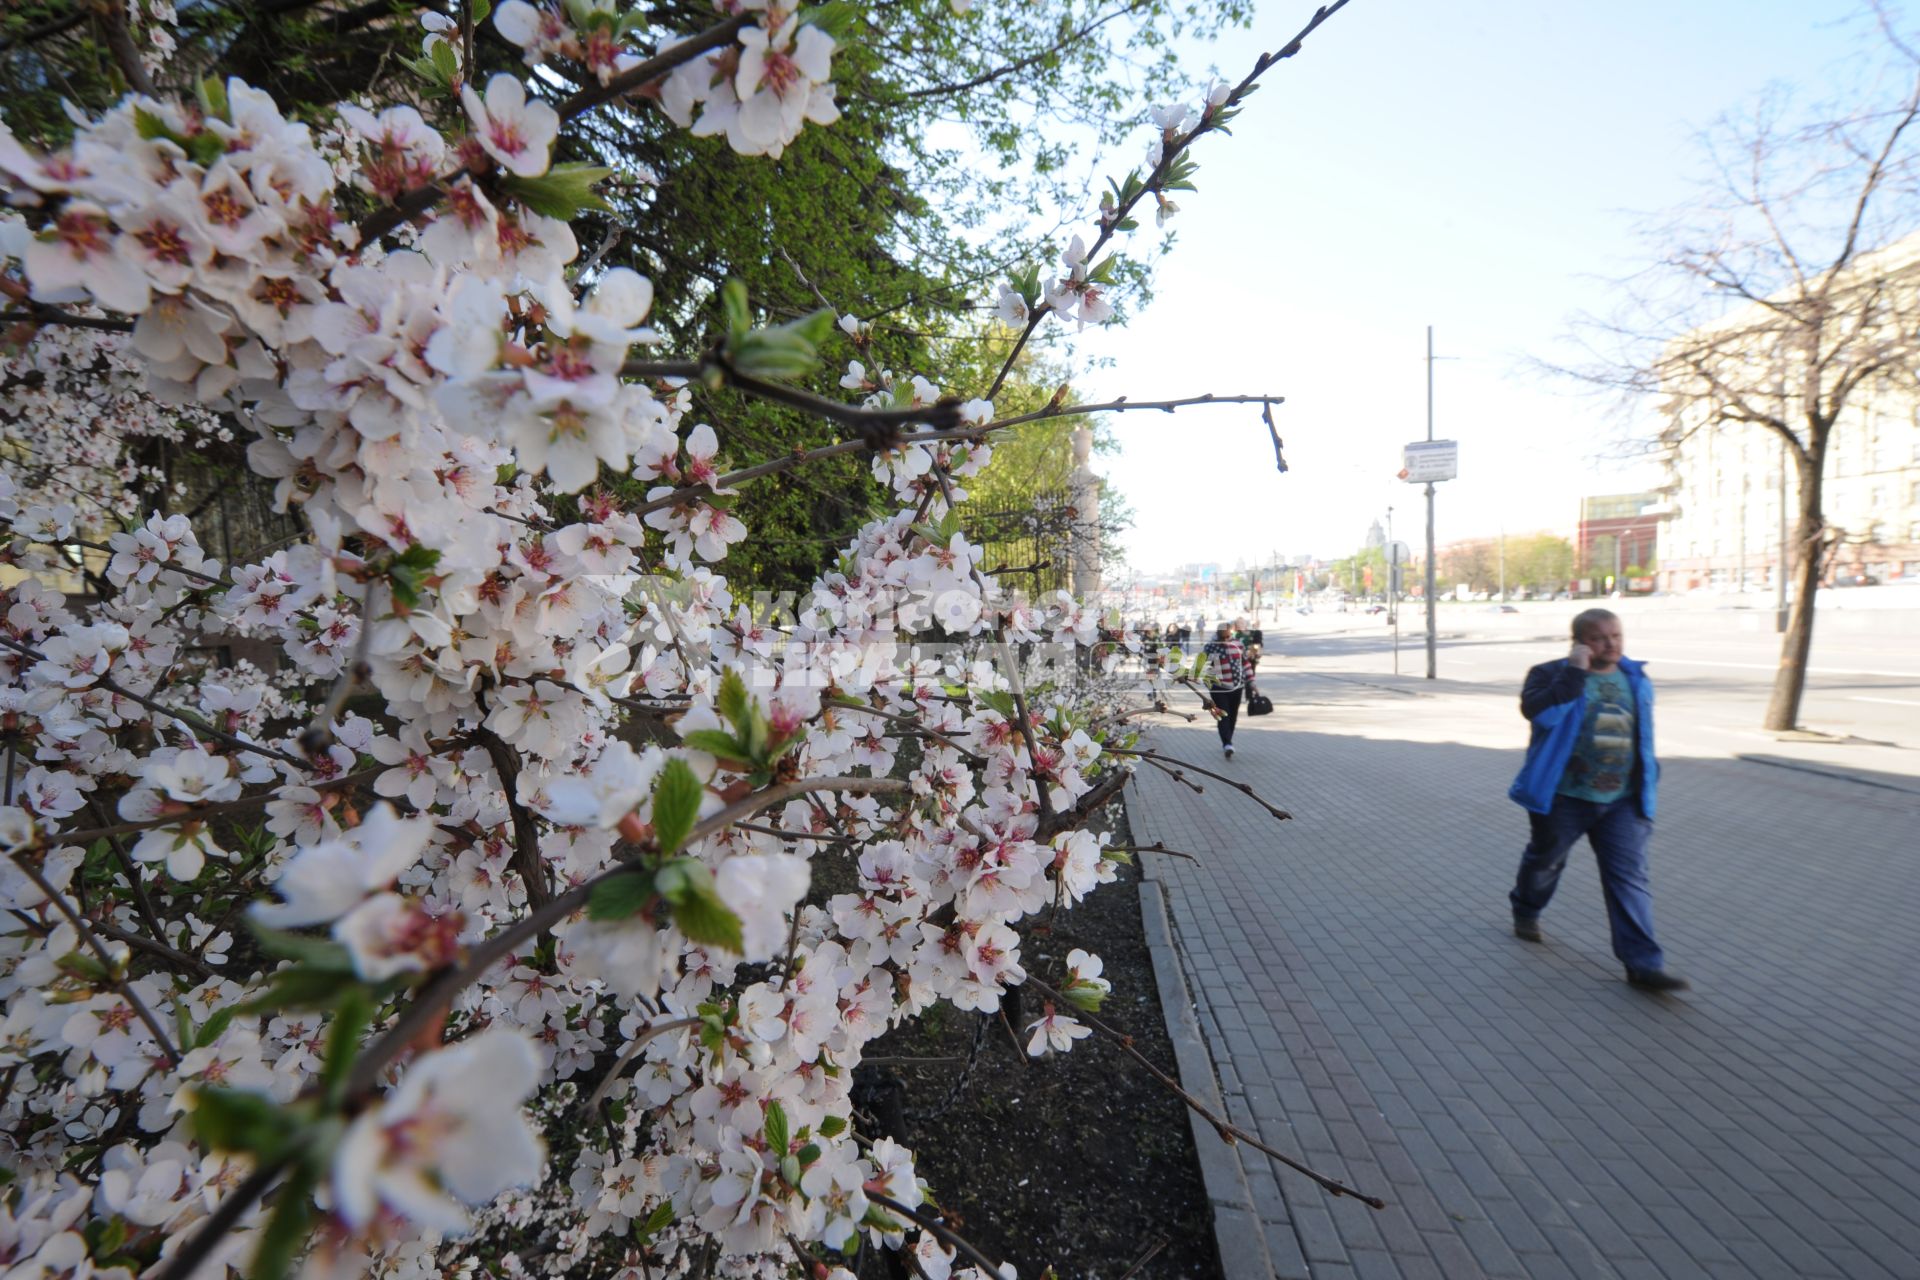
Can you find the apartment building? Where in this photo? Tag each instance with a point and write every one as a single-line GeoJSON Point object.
{"type": "Point", "coordinates": [1731, 492]}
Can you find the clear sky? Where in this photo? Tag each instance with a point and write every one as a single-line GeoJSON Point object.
{"type": "Point", "coordinates": [1479, 167]}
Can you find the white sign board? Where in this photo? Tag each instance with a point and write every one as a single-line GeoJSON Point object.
{"type": "Point", "coordinates": [1425, 461]}
{"type": "Point", "coordinates": [1399, 553]}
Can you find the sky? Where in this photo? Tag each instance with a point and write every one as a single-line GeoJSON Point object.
{"type": "Point", "coordinates": [1482, 168]}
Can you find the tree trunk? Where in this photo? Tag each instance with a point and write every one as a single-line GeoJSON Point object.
{"type": "Point", "coordinates": [1796, 647]}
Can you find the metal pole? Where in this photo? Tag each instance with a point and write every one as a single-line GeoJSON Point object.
{"type": "Point", "coordinates": [1432, 656]}
{"type": "Point", "coordinates": [1503, 564]}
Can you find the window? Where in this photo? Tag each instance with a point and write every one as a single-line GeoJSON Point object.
{"type": "Point", "coordinates": [1913, 531]}
{"type": "Point", "coordinates": [1877, 532]}
{"type": "Point", "coordinates": [1877, 497]}
{"type": "Point", "coordinates": [1913, 494]}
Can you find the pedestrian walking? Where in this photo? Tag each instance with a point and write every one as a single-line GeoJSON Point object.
{"type": "Point", "coordinates": [1226, 679]}
{"type": "Point", "coordinates": [1591, 771]}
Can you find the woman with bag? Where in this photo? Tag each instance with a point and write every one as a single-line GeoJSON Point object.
{"type": "Point", "coordinates": [1258, 703]}
{"type": "Point", "coordinates": [1226, 680]}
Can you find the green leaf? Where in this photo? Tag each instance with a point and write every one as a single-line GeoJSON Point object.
{"type": "Point", "coordinates": [104, 1236]}
{"type": "Point", "coordinates": [151, 126]}
{"type": "Point", "coordinates": [81, 965]}
{"type": "Point", "coordinates": [481, 10]}
{"type": "Point", "coordinates": [563, 192]}
{"type": "Point", "coordinates": [240, 1120]}
{"type": "Point", "coordinates": [837, 18]}
{"type": "Point", "coordinates": [733, 305]}
{"type": "Point", "coordinates": [756, 733]}
{"type": "Point", "coordinates": [707, 921]}
{"type": "Point", "coordinates": [713, 1033]}
{"type": "Point", "coordinates": [1084, 997]}
{"type": "Point", "coordinates": [716, 743]}
{"type": "Point", "coordinates": [215, 1026]}
{"type": "Point", "coordinates": [676, 804]}
{"type": "Point", "coordinates": [619, 897]}
{"type": "Point", "coordinates": [445, 62]}
{"type": "Point", "coordinates": [833, 1127]}
{"type": "Point", "coordinates": [998, 700]}
{"type": "Point", "coordinates": [784, 351]}
{"type": "Point", "coordinates": [287, 1229]}
{"type": "Point", "coordinates": [809, 1153]}
{"type": "Point", "coordinates": [312, 953]}
{"type": "Point", "coordinates": [343, 1038]}
{"type": "Point", "coordinates": [213, 98]}
{"type": "Point", "coordinates": [688, 887]}
{"type": "Point", "coordinates": [732, 698]}
{"type": "Point", "coordinates": [300, 988]}
{"type": "Point", "coordinates": [659, 1220]}
{"type": "Point", "coordinates": [776, 1127]}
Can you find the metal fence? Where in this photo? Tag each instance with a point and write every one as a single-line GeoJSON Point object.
{"type": "Point", "coordinates": [1030, 547]}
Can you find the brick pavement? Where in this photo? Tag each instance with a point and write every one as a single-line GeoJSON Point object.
{"type": "Point", "coordinates": [1527, 1113]}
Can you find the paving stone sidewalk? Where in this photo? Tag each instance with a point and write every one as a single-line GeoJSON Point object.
{"type": "Point", "coordinates": [1524, 1111]}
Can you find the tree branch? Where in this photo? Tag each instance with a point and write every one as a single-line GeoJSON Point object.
{"type": "Point", "coordinates": [1228, 1131]}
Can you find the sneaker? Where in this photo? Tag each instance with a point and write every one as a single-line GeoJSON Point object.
{"type": "Point", "coordinates": [1656, 980]}
{"type": "Point", "coordinates": [1527, 929]}
{"type": "Point", "coordinates": [1229, 751]}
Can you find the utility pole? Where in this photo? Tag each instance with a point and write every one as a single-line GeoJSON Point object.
{"type": "Point", "coordinates": [1432, 656]}
{"type": "Point", "coordinates": [1503, 564]}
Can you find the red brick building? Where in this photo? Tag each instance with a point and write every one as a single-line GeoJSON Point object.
{"type": "Point", "coordinates": [1619, 535]}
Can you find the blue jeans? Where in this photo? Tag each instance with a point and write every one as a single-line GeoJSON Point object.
{"type": "Point", "coordinates": [1619, 837]}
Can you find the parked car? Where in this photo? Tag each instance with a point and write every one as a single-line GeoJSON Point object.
{"type": "Point", "coordinates": [1376, 608]}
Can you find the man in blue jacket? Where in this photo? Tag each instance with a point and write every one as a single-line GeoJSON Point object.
{"type": "Point", "coordinates": [1591, 772]}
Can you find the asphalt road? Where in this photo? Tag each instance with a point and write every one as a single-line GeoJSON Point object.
{"type": "Point", "coordinates": [1714, 668]}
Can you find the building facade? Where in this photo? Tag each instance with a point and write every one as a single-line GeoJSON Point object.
{"type": "Point", "coordinates": [1619, 534]}
{"type": "Point", "coordinates": [1732, 493]}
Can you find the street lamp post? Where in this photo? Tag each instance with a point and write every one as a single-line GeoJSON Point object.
{"type": "Point", "coordinates": [1432, 657]}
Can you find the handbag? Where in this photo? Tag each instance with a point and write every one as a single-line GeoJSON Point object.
{"type": "Point", "coordinates": [1259, 704]}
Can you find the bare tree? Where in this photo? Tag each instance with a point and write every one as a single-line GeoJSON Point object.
{"type": "Point", "coordinates": [1786, 300]}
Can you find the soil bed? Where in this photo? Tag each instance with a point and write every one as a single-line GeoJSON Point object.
{"type": "Point", "coordinates": [1081, 1161]}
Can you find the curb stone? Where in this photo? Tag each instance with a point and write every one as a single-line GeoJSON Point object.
{"type": "Point", "coordinates": [1236, 1226]}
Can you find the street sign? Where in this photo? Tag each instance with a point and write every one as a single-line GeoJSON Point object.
{"type": "Point", "coordinates": [1399, 553]}
{"type": "Point", "coordinates": [1426, 461]}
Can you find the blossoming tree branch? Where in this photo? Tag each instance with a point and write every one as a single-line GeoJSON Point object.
{"type": "Point", "coordinates": [321, 970]}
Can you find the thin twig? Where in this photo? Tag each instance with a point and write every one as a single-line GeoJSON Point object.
{"type": "Point", "coordinates": [1235, 783]}
{"type": "Point", "coordinates": [627, 1054]}
{"type": "Point", "coordinates": [221, 808]}
{"type": "Point", "coordinates": [1111, 220]}
{"type": "Point", "coordinates": [24, 861]}
{"type": "Point", "coordinates": [945, 1234]}
{"type": "Point", "coordinates": [1228, 1131]}
{"type": "Point", "coordinates": [526, 836]}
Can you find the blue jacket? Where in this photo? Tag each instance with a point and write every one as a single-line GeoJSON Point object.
{"type": "Point", "coordinates": [1555, 700]}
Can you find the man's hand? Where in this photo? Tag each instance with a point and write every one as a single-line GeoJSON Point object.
{"type": "Point", "coordinates": [1580, 656]}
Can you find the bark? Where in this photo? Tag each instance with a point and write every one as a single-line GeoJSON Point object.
{"type": "Point", "coordinates": [1796, 646]}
